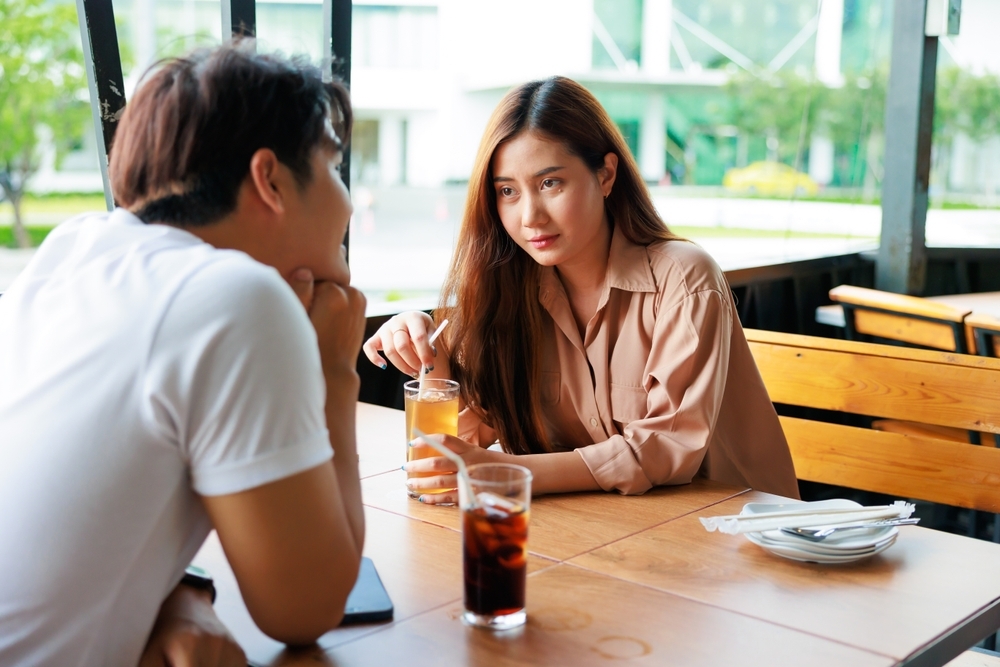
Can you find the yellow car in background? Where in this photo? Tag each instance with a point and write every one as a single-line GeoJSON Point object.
{"type": "Point", "coordinates": [770, 179]}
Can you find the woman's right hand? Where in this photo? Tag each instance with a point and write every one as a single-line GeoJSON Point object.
{"type": "Point", "coordinates": [403, 341]}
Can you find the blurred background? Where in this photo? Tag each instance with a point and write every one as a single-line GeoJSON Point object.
{"type": "Point", "coordinates": [758, 124]}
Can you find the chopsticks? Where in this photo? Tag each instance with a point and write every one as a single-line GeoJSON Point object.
{"type": "Point", "coordinates": [736, 524]}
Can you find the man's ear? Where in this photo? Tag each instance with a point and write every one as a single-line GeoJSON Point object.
{"type": "Point", "coordinates": [265, 179]}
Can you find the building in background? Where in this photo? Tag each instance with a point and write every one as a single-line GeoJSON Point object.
{"type": "Point", "coordinates": [427, 73]}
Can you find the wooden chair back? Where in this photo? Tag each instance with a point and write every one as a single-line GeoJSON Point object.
{"type": "Point", "coordinates": [922, 386]}
{"type": "Point", "coordinates": [908, 319]}
{"type": "Point", "coordinates": [985, 331]}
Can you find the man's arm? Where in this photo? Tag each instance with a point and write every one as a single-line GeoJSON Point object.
{"type": "Point", "coordinates": [295, 544]}
{"type": "Point", "coordinates": [293, 551]}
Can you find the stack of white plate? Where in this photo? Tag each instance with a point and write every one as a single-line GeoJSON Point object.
{"type": "Point", "coordinates": [843, 546]}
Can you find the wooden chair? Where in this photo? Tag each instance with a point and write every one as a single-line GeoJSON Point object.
{"type": "Point", "coordinates": [908, 319]}
{"type": "Point", "coordinates": [921, 386]}
{"type": "Point", "coordinates": [985, 331]}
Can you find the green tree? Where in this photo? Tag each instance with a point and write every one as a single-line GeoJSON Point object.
{"type": "Point", "coordinates": [41, 84]}
{"type": "Point", "coordinates": [782, 107]}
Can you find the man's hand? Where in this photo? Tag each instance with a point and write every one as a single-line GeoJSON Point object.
{"type": "Point", "coordinates": [187, 633]}
{"type": "Point", "coordinates": [338, 315]}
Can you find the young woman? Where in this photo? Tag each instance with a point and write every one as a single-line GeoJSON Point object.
{"type": "Point", "coordinates": [598, 348]}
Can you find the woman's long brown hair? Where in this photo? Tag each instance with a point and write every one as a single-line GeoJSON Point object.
{"type": "Point", "coordinates": [491, 293]}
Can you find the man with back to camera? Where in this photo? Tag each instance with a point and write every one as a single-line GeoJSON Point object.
{"type": "Point", "coordinates": [159, 377]}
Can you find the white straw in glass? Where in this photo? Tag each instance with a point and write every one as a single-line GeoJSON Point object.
{"type": "Point", "coordinates": [423, 371]}
{"type": "Point", "coordinates": [463, 473]}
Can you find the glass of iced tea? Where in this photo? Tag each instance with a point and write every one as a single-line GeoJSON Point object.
{"type": "Point", "coordinates": [434, 411]}
{"type": "Point", "coordinates": [495, 544]}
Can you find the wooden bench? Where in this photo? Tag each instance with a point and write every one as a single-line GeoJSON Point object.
{"type": "Point", "coordinates": [921, 386]}
{"type": "Point", "coordinates": [938, 389]}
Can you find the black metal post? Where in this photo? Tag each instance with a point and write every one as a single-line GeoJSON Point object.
{"type": "Point", "coordinates": [909, 114]}
{"type": "Point", "coordinates": [239, 18]}
{"type": "Point", "coordinates": [337, 15]}
{"type": "Point", "coordinates": [103, 63]}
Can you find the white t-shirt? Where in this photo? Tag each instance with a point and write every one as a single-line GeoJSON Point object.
{"type": "Point", "coordinates": [139, 368]}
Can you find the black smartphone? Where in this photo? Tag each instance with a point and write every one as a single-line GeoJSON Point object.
{"type": "Point", "coordinates": [368, 601]}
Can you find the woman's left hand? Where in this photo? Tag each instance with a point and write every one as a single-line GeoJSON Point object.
{"type": "Point", "coordinates": [445, 472]}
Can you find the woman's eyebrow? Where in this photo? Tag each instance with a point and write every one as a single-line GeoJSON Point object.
{"type": "Point", "coordinates": [547, 170]}
{"type": "Point", "coordinates": [543, 172]}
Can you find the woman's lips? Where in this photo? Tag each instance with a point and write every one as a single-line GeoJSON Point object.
{"type": "Point", "coordinates": [540, 242]}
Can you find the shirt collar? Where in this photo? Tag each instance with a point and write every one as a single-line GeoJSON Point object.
{"type": "Point", "coordinates": [628, 265]}
{"type": "Point", "coordinates": [628, 269]}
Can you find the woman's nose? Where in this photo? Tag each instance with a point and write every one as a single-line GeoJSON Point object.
{"type": "Point", "coordinates": [532, 213]}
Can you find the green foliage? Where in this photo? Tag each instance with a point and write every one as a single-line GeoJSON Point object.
{"type": "Point", "coordinates": [788, 107]}
{"type": "Point", "coordinates": [782, 106]}
{"type": "Point", "coordinates": [42, 85]}
{"type": "Point", "coordinates": [967, 103]}
{"type": "Point", "coordinates": [36, 234]}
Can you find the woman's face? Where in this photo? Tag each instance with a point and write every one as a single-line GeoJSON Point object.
{"type": "Point", "coordinates": [550, 202]}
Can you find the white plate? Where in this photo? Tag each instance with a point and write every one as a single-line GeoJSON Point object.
{"type": "Point", "coordinates": [847, 548]}
{"type": "Point", "coordinates": [814, 557]}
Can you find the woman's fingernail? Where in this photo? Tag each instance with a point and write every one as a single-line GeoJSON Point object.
{"type": "Point", "coordinates": [383, 366]}
{"type": "Point", "coordinates": [403, 467]}
{"type": "Point", "coordinates": [434, 350]}
{"type": "Point", "coordinates": [421, 499]}
{"type": "Point", "coordinates": [428, 369]}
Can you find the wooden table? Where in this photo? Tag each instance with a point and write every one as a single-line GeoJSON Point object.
{"type": "Point", "coordinates": [637, 580]}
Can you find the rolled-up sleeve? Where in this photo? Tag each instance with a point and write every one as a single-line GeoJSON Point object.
{"type": "Point", "coordinates": [684, 382]}
{"type": "Point", "coordinates": [474, 430]}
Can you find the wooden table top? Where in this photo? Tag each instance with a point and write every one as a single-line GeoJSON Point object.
{"type": "Point", "coordinates": [637, 579]}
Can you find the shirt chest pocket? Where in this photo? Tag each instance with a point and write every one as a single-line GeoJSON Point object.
{"type": "Point", "coordinates": [551, 387]}
{"type": "Point", "coordinates": [628, 404]}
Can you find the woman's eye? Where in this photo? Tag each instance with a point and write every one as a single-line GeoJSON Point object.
{"type": "Point", "coordinates": [548, 183]}
{"type": "Point", "coordinates": [506, 192]}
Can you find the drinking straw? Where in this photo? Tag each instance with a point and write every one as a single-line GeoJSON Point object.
{"type": "Point", "coordinates": [423, 371]}
{"type": "Point", "coordinates": [463, 473]}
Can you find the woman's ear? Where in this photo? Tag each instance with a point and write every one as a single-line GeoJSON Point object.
{"type": "Point", "coordinates": [607, 173]}
{"type": "Point", "coordinates": [265, 179]}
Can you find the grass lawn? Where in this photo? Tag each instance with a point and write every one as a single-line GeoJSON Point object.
{"type": "Point", "coordinates": [741, 233]}
{"type": "Point", "coordinates": [68, 204]}
{"type": "Point", "coordinates": [62, 207]}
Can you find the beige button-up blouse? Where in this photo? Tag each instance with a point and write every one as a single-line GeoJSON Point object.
{"type": "Point", "coordinates": [663, 384]}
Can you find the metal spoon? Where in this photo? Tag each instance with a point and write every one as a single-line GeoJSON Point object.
{"type": "Point", "coordinates": [820, 534]}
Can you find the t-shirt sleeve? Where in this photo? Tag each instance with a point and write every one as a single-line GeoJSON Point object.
{"type": "Point", "coordinates": [234, 379]}
{"type": "Point", "coordinates": [685, 380]}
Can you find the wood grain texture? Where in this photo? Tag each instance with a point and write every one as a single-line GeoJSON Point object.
{"type": "Point", "coordinates": [940, 471]}
{"type": "Point", "coordinates": [934, 391]}
{"type": "Point", "coordinates": [905, 329]}
{"type": "Point", "coordinates": [868, 349]}
{"type": "Point", "coordinates": [565, 525]}
{"type": "Point", "coordinates": [582, 618]}
{"type": "Point", "coordinates": [901, 303]}
{"type": "Point", "coordinates": [420, 566]}
{"type": "Point", "coordinates": [891, 604]}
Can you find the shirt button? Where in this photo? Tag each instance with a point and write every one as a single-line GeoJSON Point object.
{"type": "Point", "coordinates": [593, 422]}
